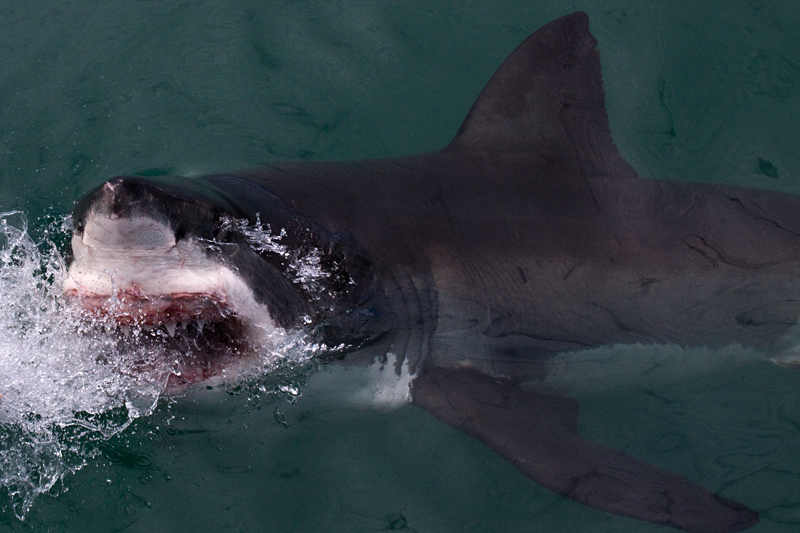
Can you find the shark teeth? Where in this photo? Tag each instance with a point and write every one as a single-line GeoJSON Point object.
{"type": "Point", "coordinates": [171, 328]}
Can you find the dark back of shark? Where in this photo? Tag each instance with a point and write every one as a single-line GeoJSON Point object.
{"type": "Point", "coordinates": [528, 236]}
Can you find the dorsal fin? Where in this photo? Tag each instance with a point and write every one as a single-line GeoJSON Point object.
{"type": "Point", "coordinates": [546, 97]}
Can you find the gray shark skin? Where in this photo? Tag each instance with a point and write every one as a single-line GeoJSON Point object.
{"type": "Point", "coordinates": [526, 237]}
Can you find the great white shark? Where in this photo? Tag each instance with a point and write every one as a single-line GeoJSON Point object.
{"type": "Point", "coordinates": [526, 237]}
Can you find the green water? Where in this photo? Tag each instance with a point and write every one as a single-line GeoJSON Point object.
{"type": "Point", "coordinates": [696, 91]}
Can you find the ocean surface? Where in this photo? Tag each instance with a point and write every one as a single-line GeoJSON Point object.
{"type": "Point", "coordinates": [696, 91]}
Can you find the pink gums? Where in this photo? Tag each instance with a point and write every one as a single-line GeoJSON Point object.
{"type": "Point", "coordinates": [132, 308]}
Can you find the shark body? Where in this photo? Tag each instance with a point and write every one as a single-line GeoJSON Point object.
{"type": "Point", "coordinates": [527, 237]}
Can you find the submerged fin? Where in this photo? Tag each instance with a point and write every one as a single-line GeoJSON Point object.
{"type": "Point", "coordinates": [538, 434]}
{"type": "Point", "coordinates": [547, 98]}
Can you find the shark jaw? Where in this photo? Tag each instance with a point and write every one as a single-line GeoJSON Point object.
{"type": "Point", "coordinates": [131, 273]}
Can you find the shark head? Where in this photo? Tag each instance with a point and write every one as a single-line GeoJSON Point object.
{"type": "Point", "coordinates": [184, 259]}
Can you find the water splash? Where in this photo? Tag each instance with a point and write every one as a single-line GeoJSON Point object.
{"type": "Point", "coordinates": [304, 266]}
{"type": "Point", "coordinates": [69, 382]}
{"type": "Point", "coordinates": [54, 386]}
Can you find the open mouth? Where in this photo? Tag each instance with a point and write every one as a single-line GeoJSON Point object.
{"type": "Point", "coordinates": [131, 308]}
{"type": "Point", "coordinates": [165, 288]}
{"type": "Point", "coordinates": [186, 337]}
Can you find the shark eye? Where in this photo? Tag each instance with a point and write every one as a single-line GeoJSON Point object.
{"type": "Point", "coordinates": [79, 226]}
{"type": "Point", "coordinates": [180, 233]}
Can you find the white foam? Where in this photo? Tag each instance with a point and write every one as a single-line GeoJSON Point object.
{"type": "Point", "coordinates": [56, 375]}
{"type": "Point", "coordinates": [66, 383]}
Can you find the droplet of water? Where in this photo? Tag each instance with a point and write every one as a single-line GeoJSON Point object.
{"type": "Point", "coordinates": [71, 382]}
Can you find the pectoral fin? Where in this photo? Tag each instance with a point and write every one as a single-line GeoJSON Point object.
{"type": "Point", "coordinates": [538, 434]}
